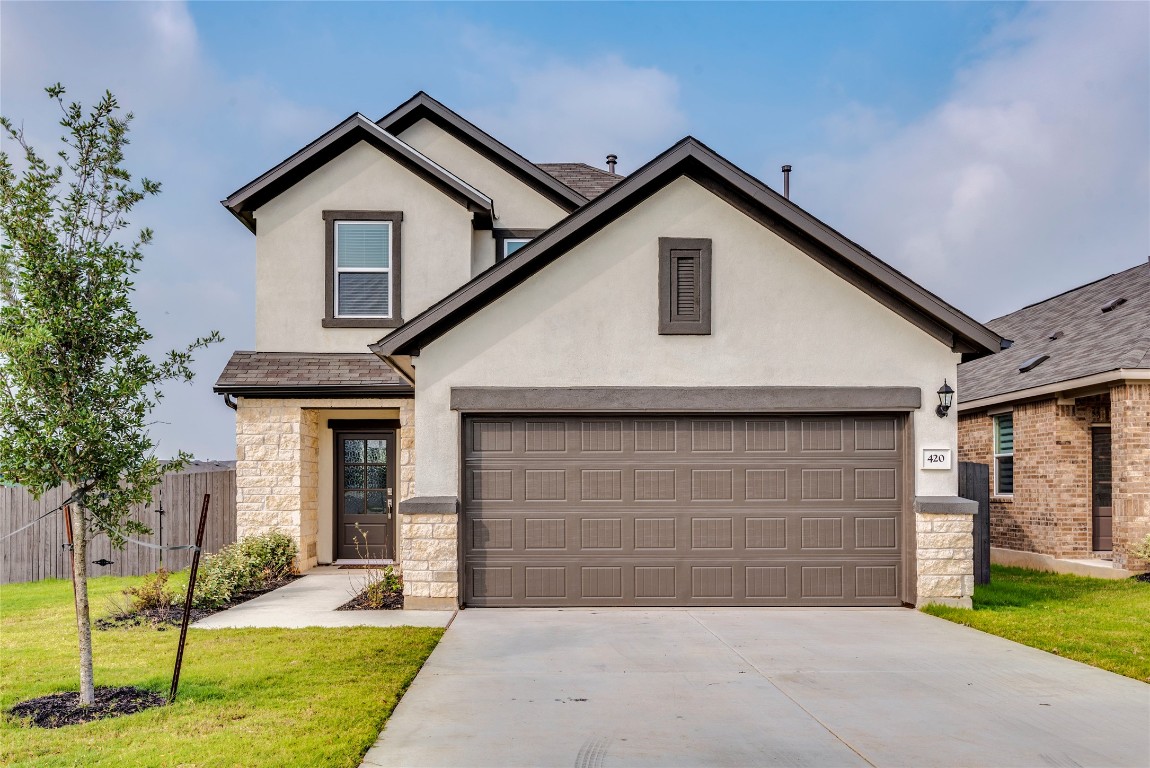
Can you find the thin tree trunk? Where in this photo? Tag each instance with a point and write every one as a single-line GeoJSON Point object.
{"type": "Point", "coordinates": [83, 619]}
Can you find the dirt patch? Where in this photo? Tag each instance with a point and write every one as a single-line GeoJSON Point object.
{"type": "Point", "coordinates": [392, 602]}
{"type": "Point", "coordinates": [60, 709]}
{"type": "Point", "coordinates": [171, 617]}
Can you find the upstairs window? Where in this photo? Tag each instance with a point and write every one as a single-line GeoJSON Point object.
{"type": "Point", "coordinates": [511, 245]}
{"type": "Point", "coordinates": [1004, 454]}
{"type": "Point", "coordinates": [363, 260]}
{"type": "Point", "coordinates": [684, 286]}
{"type": "Point", "coordinates": [508, 241]}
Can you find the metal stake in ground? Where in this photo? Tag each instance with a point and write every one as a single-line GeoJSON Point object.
{"type": "Point", "coordinates": [188, 598]}
{"type": "Point", "coordinates": [71, 550]}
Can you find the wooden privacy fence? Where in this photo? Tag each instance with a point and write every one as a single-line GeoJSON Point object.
{"type": "Point", "coordinates": [39, 553]}
{"type": "Point", "coordinates": [974, 484]}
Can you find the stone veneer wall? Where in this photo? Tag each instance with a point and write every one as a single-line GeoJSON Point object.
{"type": "Point", "coordinates": [277, 464]}
{"type": "Point", "coordinates": [430, 559]}
{"type": "Point", "coordinates": [944, 558]}
{"type": "Point", "coordinates": [1130, 446]}
{"type": "Point", "coordinates": [1050, 511]}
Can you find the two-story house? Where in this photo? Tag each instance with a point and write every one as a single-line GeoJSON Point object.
{"type": "Point", "coordinates": [553, 385]}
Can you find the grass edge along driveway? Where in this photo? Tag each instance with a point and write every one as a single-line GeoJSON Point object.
{"type": "Point", "coordinates": [248, 697]}
{"type": "Point", "coordinates": [1101, 622]}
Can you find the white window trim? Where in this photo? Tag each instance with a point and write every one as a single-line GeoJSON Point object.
{"type": "Point", "coordinates": [344, 270]}
{"type": "Point", "coordinates": [511, 240]}
{"type": "Point", "coordinates": [997, 455]}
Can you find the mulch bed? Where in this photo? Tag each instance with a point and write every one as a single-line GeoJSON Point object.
{"type": "Point", "coordinates": [60, 709]}
{"type": "Point", "coordinates": [172, 617]}
{"type": "Point", "coordinates": [1142, 577]}
{"type": "Point", "coordinates": [392, 602]}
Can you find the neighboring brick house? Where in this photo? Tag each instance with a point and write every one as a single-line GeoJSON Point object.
{"type": "Point", "coordinates": [553, 385]}
{"type": "Point", "coordinates": [1063, 419]}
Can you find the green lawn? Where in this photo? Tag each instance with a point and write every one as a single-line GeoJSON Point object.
{"type": "Point", "coordinates": [1101, 622]}
{"type": "Point", "coordinates": [251, 697]}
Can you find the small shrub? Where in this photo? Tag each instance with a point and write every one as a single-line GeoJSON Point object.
{"type": "Point", "coordinates": [381, 584]}
{"type": "Point", "coordinates": [1142, 549]}
{"type": "Point", "coordinates": [151, 595]}
{"type": "Point", "coordinates": [251, 563]}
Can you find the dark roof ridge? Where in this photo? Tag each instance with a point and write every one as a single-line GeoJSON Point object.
{"type": "Point", "coordinates": [686, 157]}
{"type": "Point", "coordinates": [1068, 291]}
{"type": "Point", "coordinates": [585, 165]}
{"type": "Point", "coordinates": [407, 114]}
{"type": "Point", "coordinates": [318, 152]}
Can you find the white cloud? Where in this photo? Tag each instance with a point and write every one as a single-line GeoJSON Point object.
{"type": "Point", "coordinates": [560, 111]}
{"type": "Point", "coordinates": [1030, 178]}
{"type": "Point", "coordinates": [193, 131]}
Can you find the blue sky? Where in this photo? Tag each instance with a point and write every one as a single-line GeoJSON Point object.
{"type": "Point", "coordinates": [998, 153]}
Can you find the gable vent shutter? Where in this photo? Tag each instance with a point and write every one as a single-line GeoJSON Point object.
{"type": "Point", "coordinates": [686, 285]}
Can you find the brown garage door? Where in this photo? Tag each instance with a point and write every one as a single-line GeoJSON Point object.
{"type": "Point", "coordinates": [674, 510]}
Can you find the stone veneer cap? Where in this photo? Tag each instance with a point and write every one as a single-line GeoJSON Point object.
{"type": "Point", "coordinates": [429, 505]}
{"type": "Point", "coordinates": [945, 505]}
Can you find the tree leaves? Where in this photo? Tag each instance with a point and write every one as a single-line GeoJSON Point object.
{"type": "Point", "coordinates": [76, 388]}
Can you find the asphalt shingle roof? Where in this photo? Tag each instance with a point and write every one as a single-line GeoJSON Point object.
{"type": "Point", "coordinates": [587, 180]}
{"type": "Point", "coordinates": [294, 370]}
{"type": "Point", "coordinates": [1092, 341]}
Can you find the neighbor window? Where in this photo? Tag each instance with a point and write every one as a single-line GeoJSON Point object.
{"type": "Point", "coordinates": [362, 268]}
{"type": "Point", "coordinates": [1004, 454]}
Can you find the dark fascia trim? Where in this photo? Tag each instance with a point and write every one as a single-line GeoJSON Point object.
{"type": "Point", "coordinates": [668, 325]}
{"type": "Point", "coordinates": [362, 425]}
{"type": "Point", "coordinates": [422, 106]}
{"type": "Point", "coordinates": [945, 505]}
{"type": "Point", "coordinates": [243, 202]}
{"type": "Point", "coordinates": [691, 158]}
{"type": "Point", "coordinates": [686, 399]}
{"type": "Point", "coordinates": [429, 505]}
{"type": "Point", "coordinates": [502, 235]}
{"type": "Point", "coordinates": [330, 320]}
{"type": "Point", "coordinates": [332, 391]}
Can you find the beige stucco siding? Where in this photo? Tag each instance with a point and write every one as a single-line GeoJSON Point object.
{"type": "Point", "coordinates": [591, 319]}
{"type": "Point", "coordinates": [436, 244]}
{"type": "Point", "coordinates": [517, 206]}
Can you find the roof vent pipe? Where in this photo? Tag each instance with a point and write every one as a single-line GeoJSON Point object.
{"type": "Point", "coordinates": [787, 182]}
{"type": "Point", "coordinates": [611, 160]}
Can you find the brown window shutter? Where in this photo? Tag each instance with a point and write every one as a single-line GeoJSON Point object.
{"type": "Point", "coordinates": [684, 286]}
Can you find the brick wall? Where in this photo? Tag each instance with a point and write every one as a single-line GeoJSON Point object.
{"type": "Point", "coordinates": [1050, 510]}
{"type": "Point", "coordinates": [1130, 433]}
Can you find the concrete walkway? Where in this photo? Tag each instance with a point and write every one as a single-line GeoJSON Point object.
{"type": "Point", "coordinates": [755, 687]}
{"type": "Point", "coordinates": [311, 601]}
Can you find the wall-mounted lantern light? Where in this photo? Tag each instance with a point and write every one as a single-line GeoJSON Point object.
{"type": "Point", "coordinates": [945, 399]}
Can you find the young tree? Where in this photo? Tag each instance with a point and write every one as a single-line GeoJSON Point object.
{"type": "Point", "coordinates": [77, 388]}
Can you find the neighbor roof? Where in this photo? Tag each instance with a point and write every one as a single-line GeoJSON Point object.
{"type": "Point", "coordinates": [1092, 341]}
{"type": "Point", "coordinates": [423, 107]}
{"type": "Point", "coordinates": [243, 202]}
{"type": "Point", "coordinates": [691, 158]}
{"type": "Point", "coordinates": [587, 180]}
{"type": "Point", "coordinates": [284, 374]}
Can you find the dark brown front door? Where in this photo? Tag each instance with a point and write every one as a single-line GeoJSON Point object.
{"type": "Point", "coordinates": [365, 496]}
{"type": "Point", "coordinates": [1100, 490]}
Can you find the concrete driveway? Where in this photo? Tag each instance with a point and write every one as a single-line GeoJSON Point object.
{"type": "Point", "coordinates": [755, 687]}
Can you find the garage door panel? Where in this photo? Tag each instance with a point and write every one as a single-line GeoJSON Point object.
{"type": "Point", "coordinates": [863, 484]}
{"type": "Point", "coordinates": [702, 534]}
{"type": "Point", "coordinates": [571, 581]}
{"type": "Point", "coordinates": [661, 510]}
